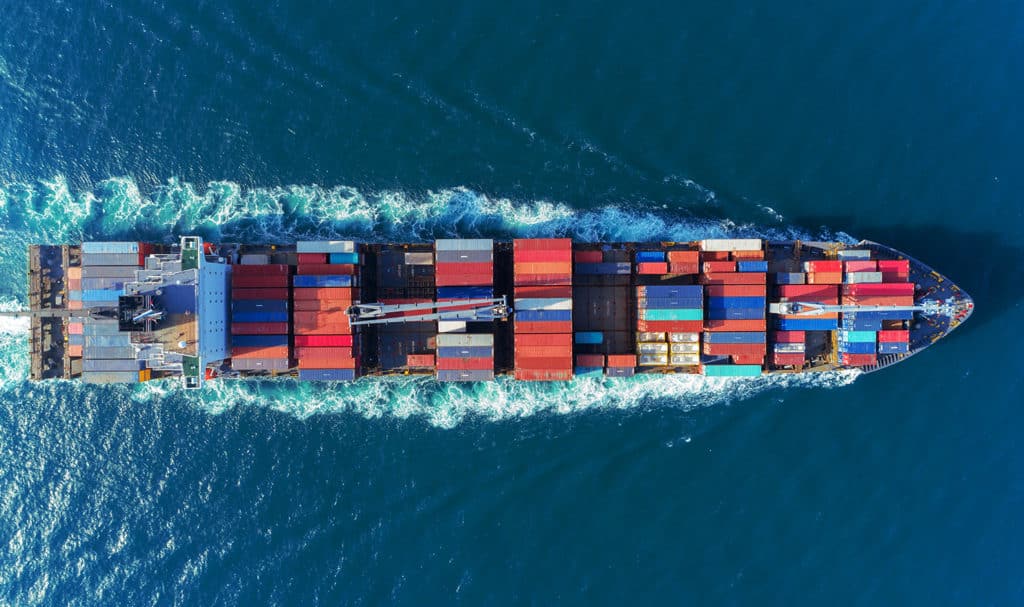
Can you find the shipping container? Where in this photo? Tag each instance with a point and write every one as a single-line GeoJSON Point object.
{"type": "Point", "coordinates": [544, 292]}
{"type": "Point", "coordinates": [735, 337]}
{"type": "Point", "coordinates": [259, 305]}
{"type": "Point", "coordinates": [709, 267]}
{"type": "Point", "coordinates": [465, 364]}
{"type": "Point", "coordinates": [327, 374]}
{"type": "Point", "coordinates": [420, 360]}
{"type": "Point", "coordinates": [259, 328]}
{"type": "Point", "coordinates": [463, 244]}
{"type": "Point", "coordinates": [451, 326]}
{"type": "Point", "coordinates": [325, 246]}
{"type": "Point", "coordinates": [825, 266]}
{"type": "Point", "coordinates": [737, 278]}
{"type": "Point", "coordinates": [790, 278]}
{"type": "Point", "coordinates": [663, 303]}
{"type": "Point", "coordinates": [732, 370]}
{"type": "Point", "coordinates": [465, 292]}
{"type": "Point", "coordinates": [255, 259]}
{"type": "Point", "coordinates": [863, 277]}
{"type": "Point", "coordinates": [714, 256]}
{"type": "Point", "coordinates": [684, 360]}
{"type": "Point", "coordinates": [75, 350]}
{"type": "Point", "coordinates": [543, 327]}
{"type": "Point", "coordinates": [736, 313]}
{"type": "Point", "coordinates": [541, 244]}
{"type": "Point", "coordinates": [894, 265]}
{"type": "Point", "coordinates": [280, 293]}
{"type": "Point", "coordinates": [111, 247]}
{"type": "Point", "coordinates": [759, 291]}
{"type": "Point", "coordinates": [325, 294]}
{"type": "Point", "coordinates": [787, 359]}
{"type": "Point", "coordinates": [898, 336]}
{"type": "Point", "coordinates": [747, 255]}
{"type": "Point", "coordinates": [327, 305]}
{"type": "Point", "coordinates": [688, 348]}
{"type": "Point", "coordinates": [683, 256]}
{"type": "Point", "coordinates": [465, 375]}
{"type": "Point", "coordinates": [563, 256]}
{"type": "Point", "coordinates": [468, 339]}
{"type": "Point", "coordinates": [419, 258]}
{"type": "Point", "coordinates": [620, 371]}
{"type": "Point", "coordinates": [860, 265]}
{"type": "Point", "coordinates": [683, 326]}
{"type": "Point", "coordinates": [343, 258]}
{"type": "Point", "coordinates": [736, 302]}
{"type": "Point", "coordinates": [92, 284]}
{"type": "Point", "coordinates": [331, 362]}
{"type": "Point", "coordinates": [681, 338]}
{"type": "Point", "coordinates": [807, 324]}
{"type": "Point", "coordinates": [259, 340]}
{"type": "Point", "coordinates": [323, 281]}
{"type": "Point", "coordinates": [544, 362]}
{"type": "Point", "coordinates": [261, 364]}
{"type": "Point", "coordinates": [323, 352]}
{"type": "Point", "coordinates": [854, 347]}
{"type": "Point", "coordinates": [669, 291]}
{"type": "Point", "coordinates": [588, 256]}
{"type": "Point", "coordinates": [264, 270]}
{"type": "Point", "coordinates": [122, 352]}
{"type": "Point", "coordinates": [110, 377]}
{"type": "Point", "coordinates": [541, 267]}
{"type": "Point", "coordinates": [526, 340]}
{"type": "Point", "coordinates": [111, 364]}
{"type": "Point", "coordinates": [888, 289]}
{"type": "Point", "coordinates": [321, 323]}
{"type": "Point", "coordinates": [854, 254]}
{"type": "Point", "coordinates": [258, 352]}
{"type": "Point", "coordinates": [543, 375]}
{"type": "Point", "coordinates": [649, 314]}
{"type": "Point", "coordinates": [239, 317]}
{"type": "Point", "coordinates": [893, 347]}
{"type": "Point", "coordinates": [727, 349]}
{"type": "Point", "coordinates": [650, 256]}
{"type": "Point", "coordinates": [731, 244]}
{"type": "Point", "coordinates": [590, 360]}
{"type": "Point", "coordinates": [878, 300]}
{"type": "Point", "coordinates": [652, 360]}
{"type": "Point", "coordinates": [790, 348]}
{"type": "Point", "coordinates": [789, 337]}
{"type": "Point", "coordinates": [858, 360]}
{"type": "Point", "coordinates": [449, 279]}
{"type": "Point", "coordinates": [858, 336]}
{"type": "Point", "coordinates": [314, 258]}
{"type": "Point", "coordinates": [588, 372]}
{"type": "Point", "coordinates": [543, 315]}
{"type": "Point", "coordinates": [326, 268]}
{"type": "Point", "coordinates": [324, 341]}
{"type": "Point", "coordinates": [654, 347]}
{"type": "Point", "coordinates": [542, 304]}
{"type": "Point", "coordinates": [751, 266]}
{"type": "Point", "coordinates": [127, 272]}
{"type": "Point", "coordinates": [110, 259]}
{"type": "Point", "coordinates": [542, 279]}
{"type": "Point", "coordinates": [824, 278]}
{"type": "Point", "coordinates": [465, 352]}
{"type": "Point", "coordinates": [542, 352]}
{"type": "Point", "coordinates": [589, 337]}
{"type": "Point", "coordinates": [255, 281]}
{"type": "Point", "coordinates": [810, 293]}
{"type": "Point", "coordinates": [652, 336]}
{"type": "Point", "coordinates": [465, 256]}
{"type": "Point", "coordinates": [622, 360]}
{"type": "Point", "coordinates": [603, 269]}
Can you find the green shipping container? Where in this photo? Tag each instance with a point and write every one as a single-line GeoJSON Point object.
{"type": "Point", "coordinates": [732, 370]}
{"type": "Point", "coordinates": [673, 314]}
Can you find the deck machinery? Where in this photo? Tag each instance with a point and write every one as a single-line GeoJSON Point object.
{"type": "Point", "coordinates": [132, 312]}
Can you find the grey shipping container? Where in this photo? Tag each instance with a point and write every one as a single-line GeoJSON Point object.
{"type": "Point", "coordinates": [104, 283]}
{"type": "Point", "coordinates": [325, 246]}
{"type": "Point", "coordinates": [451, 375]}
{"type": "Point", "coordinates": [100, 327]}
{"type": "Point", "coordinates": [847, 254]}
{"type": "Point", "coordinates": [465, 352]}
{"type": "Point", "coordinates": [620, 371]}
{"type": "Point", "coordinates": [111, 247]}
{"type": "Point", "coordinates": [419, 258]}
{"type": "Point", "coordinates": [110, 377]}
{"type": "Point", "coordinates": [108, 341]}
{"type": "Point", "coordinates": [110, 259]}
{"type": "Point", "coordinates": [464, 244]}
{"type": "Point", "coordinates": [111, 364]}
{"type": "Point", "coordinates": [465, 339]}
{"type": "Point", "coordinates": [109, 352]}
{"type": "Point", "coordinates": [255, 259]}
{"type": "Point", "coordinates": [465, 256]}
{"type": "Point", "coordinates": [856, 278]}
{"type": "Point", "coordinates": [110, 271]}
{"type": "Point", "coordinates": [261, 364]}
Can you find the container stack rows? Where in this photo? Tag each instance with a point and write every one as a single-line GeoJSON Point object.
{"type": "Point", "coordinates": [464, 271]}
{"type": "Point", "coordinates": [669, 316]}
{"type": "Point", "coordinates": [602, 330]}
{"type": "Point", "coordinates": [542, 283]}
{"type": "Point", "coordinates": [734, 272]}
{"type": "Point", "coordinates": [108, 355]}
{"type": "Point", "coordinates": [259, 315]}
{"type": "Point", "coordinates": [868, 282]}
{"type": "Point", "coordinates": [324, 287]}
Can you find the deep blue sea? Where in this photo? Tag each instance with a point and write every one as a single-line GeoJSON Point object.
{"type": "Point", "coordinates": [894, 120]}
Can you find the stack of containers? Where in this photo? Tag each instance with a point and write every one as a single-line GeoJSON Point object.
{"type": "Point", "coordinates": [76, 338]}
{"type": "Point", "coordinates": [683, 262]}
{"type": "Point", "coordinates": [108, 355]}
{"type": "Point", "coordinates": [589, 365]}
{"type": "Point", "coordinates": [259, 315]}
{"type": "Point", "coordinates": [824, 272]}
{"type": "Point", "coordinates": [894, 341]}
{"type": "Point", "coordinates": [874, 283]}
{"type": "Point", "coordinates": [595, 262]}
{"type": "Point", "coordinates": [811, 293]}
{"type": "Point", "coordinates": [651, 262]}
{"type": "Point", "coordinates": [789, 348]}
{"type": "Point", "coordinates": [464, 270]}
{"type": "Point", "coordinates": [542, 279]}
{"type": "Point", "coordinates": [857, 348]}
{"type": "Point", "coordinates": [620, 365]}
{"type": "Point", "coordinates": [324, 288]}
{"type": "Point", "coordinates": [735, 273]}
{"type": "Point", "coordinates": [664, 311]}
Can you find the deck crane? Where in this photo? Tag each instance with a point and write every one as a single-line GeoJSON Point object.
{"type": "Point", "coordinates": [950, 307]}
{"type": "Point", "coordinates": [377, 313]}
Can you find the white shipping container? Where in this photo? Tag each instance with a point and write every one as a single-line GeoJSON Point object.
{"type": "Point", "coordinates": [731, 244]}
{"type": "Point", "coordinates": [685, 359]}
{"type": "Point", "coordinates": [794, 348]}
{"type": "Point", "coordinates": [451, 326]}
{"type": "Point", "coordinates": [463, 244]}
{"type": "Point", "coordinates": [652, 348]}
{"type": "Point", "coordinates": [680, 338]}
{"type": "Point", "coordinates": [325, 246]}
{"type": "Point", "coordinates": [685, 348]}
{"type": "Point", "coordinates": [857, 278]}
{"type": "Point", "coordinates": [465, 339]}
{"type": "Point", "coordinates": [539, 303]}
{"type": "Point", "coordinates": [652, 360]}
{"type": "Point", "coordinates": [110, 247]}
{"type": "Point", "coordinates": [650, 337]}
{"type": "Point", "coordinates": [255, 259]}
{"type": "Point", "coordinates": [848, 254]}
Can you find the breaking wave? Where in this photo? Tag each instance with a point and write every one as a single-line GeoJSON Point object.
{"type": "Point", "coordinates": [49, 212]}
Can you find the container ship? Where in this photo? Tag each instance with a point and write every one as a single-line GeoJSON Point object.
{"type": "Point", "coordinates": [468, 310]}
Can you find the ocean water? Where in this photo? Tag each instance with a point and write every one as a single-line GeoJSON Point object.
{"type": "Point", "coordinates": [896, 121]}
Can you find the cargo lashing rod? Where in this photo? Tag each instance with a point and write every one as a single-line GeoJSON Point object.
{"type": "Point", "coordinates": [376, 313]}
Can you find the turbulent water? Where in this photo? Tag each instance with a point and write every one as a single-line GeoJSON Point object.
{"type": "Point", "coordinates": [889, 121]}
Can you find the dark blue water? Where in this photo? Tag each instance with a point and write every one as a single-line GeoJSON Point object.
{"type": "Point", "coordinates": [898, 121]}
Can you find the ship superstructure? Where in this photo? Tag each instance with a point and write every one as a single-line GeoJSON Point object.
{"type": "Point", "coordinates": [470, 309]}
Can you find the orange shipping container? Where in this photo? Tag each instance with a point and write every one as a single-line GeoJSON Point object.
{"type": "Point", "coordinates": [542, 279]}
{"type": "Point", "coordinates": [735, 325]}
{"type": "Point", "coordinates": [543, 375]}
{"type": "Point", "coordinates": [652, 267]}
{"type": "Point", "coordinates": [76, 328]}
{"type": "Point", "coordinates": [419, 360]}
{"type": "Point", "coordinates": [669, 326]}
{"type": "Point", "coordinates": [558, 326]}
{"type": "Point", "coordinates": [544, 362]}
{"type": "Point", "coordinates": [542, 267]}
{"type": "Point", "coordinates": [684, 256]}
{"type": "Point", "coordinates": [523, 340]}
{"type": "Point", "coordinates": [622, 360]}
{"type": "Point", "coordinates": [714, 255]}
{"type": "Point", "coordinates": [75, 272]}
{"type": "Point", "coordinates": [326, 293]}
{"type": "Point", "coordinates": [251, 352]}
{"type": "Point", "coordinates": [824, 278]}
{"type": "Point", "coordinates": [327, 363]}
{"type": "Point", "coordinates": [325, 352]}
{"type": "Point", "coordinates": [323, 305]}
{"type": "Point", "coordinates": [75, 350]}
{"type": "Point", "coordinates": [684, 268]}
{"type": "Point", "coordinates": [748, 255]}
{"type": "Point", "coordinates": [710, 267]}
{"type": "Point", "coordinates": [542, 351]}
{"type": "Point", "coordinates": [738, 278]}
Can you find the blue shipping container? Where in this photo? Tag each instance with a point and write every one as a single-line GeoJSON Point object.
{"type": "Point", "coordinates": [690, 303]}
{"type": "Point", "coordinates": [620, 371]}
{"type": "Point", "coordinates": [735, 313]}
{"type": "Point", "coordinates": [327, 280]}
{"type": "Point", "coordinates": [752, 266]}
{"type": "Point", "coordinates": [737, 302]}
{"type": "Point", "coordinates": [327, 374]}
{"type": "Point", "coordinates": [352, 258]}
{"type": "Point", "coordinates": [857, 347]}
{"type": "Point", "coordinates": [465, 292]}
{"type": "Point", "coordinates": [671, 291]}
{"type": "Point", "coordinates": [259, 317]}
{"type": "Point", "coordinates": [893, 348]}
{"type": "Point", "coordinates": [856, 323]}
{"type": "Point", "coordinates": [602, 268]}
{"type": "Point", "coordinates": [543, 315]}
{"type": "Point", "coordinates": [465, 352]}
{"type": "Point", "coordinates": [259, 340]}
{"type": "Point", "coordinates": [260, 305]}
{"type": "Point", "coordinates": [100, 294]}
{"type": "Point", "coordinates": [588, 372]}
{"type": "Point", "coordinates": [589, 337]}
{"type": "Point", "coordinates": [735, 337]}
{"type": "Point", "coordinates": [645, 256]}
{"type": "Point", "coordinates": [807, 324]}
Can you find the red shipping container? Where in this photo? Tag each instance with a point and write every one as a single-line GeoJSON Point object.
{"type": "Point", "coordinates": [735, 325]}
{"type": "Point", "coordinates": [894, 265]}
{"type": "Point", "coordinates": [419, 360]}
{"type": "Point", "coordinates": [683, 268]}
{"type": "Point", "coordinates": [327, 363]}
{"type": "Point", "coordinates": [325, 293]}
{"type": "Point", "coordinates": [557, 326]}
{"type": "Point", "coordinates": [544, 362]}
{"type": "Point", "coordinates": [541, 267]}
{"type": "Point", "coordinates": [861, 265]}
{"type": "Point", "coordinates": [543, 375]}
{"type": "Point", "coordinates": [323, 341]}
{"type": "Point", "coordinates": [542, 279]}
{"type": "Point", "coordinates": [251, 352]}
{"type": "Point", "coordinates": [305, 258]}
{"type": "Point", "coordinates": [672, 326]}
{"type": "Point", "coordinates": [542, 351]}
{"type": "Point", "coordinates": [543, 292]}
{"type": "Point", "coordinates": [259, 328]}
{"type": "Point", "coordinates": [748, 255]}
{"type": "Point", "coordinates": [76, 328]}
{"type": "Point", "coordinates": [465, 364]}
{"type": "Point", "coordinates": [748, 359]}
{"type": "Point", "coordinates": [75, 350]}
{"type": "Point", "coordinates": [542, 256]}
{"type": "Point", "coordinates": [736, 290]}
{"type": "Point", "coordinates": [737, 278]}
{"type": "Point", "coordinates": [787, 359]}
{"type": "Point", "coordinates": [541, 244]}
{"type": "Point", "coordinates": [895, 276]}
{"type": "Point", "coordinates": [74, 284]}
{"type": "Point", "coordinates": [587, 256]}
{"type": "Point", "coordinates": [621, 360]}
{"type": "Point", "coordinates": [464, 280]}
{"type": "Point", "coordinates": [259, 270]}
{"type": "Point", "coordinates": [74, 304]}
{"type": "Point", "coordinates": [590, 360]}
{"type": "Point", "coordinates": [323, 305]}
{"type": "Point", "coordinates": [447, 268]}
{"type": "Point", "coordinates": [858, 360]}
{"type": "Point", "coordinates": [789, 337]}
{"type": "Point", "coordinates": [652, 267]}
{"type": "Point", "coordinates": [812, 293]}
{"type": "Point", "coordinates": [729, 349]}
{"type": "Point", "coordinates": [270, 293]}
{"type": "Point", "coordinates": [819, 265]}
{"type": "Point", "coordinates": [251, 281]}
{"type": "Point", "coordinates": [710, 267]}
{"type": "Point", "coordinates": [900, 337]}
{"type": "Point", "coordinates": [325, 352]}
{"type": "Point", "coordinates": [524, 340]}
{"type": "Point", "coordinates": [824, 278]}
{"type": "Point", "coordinates": [327, 269]}
{"type": "Point", "coordinates": [321, 323]}
{"type": "Point", "coordinates": [714, 255]}
{"type": "Point", "coordinates": [900, 288]}
{"type": "Point", "coordinates": [684, 257]}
